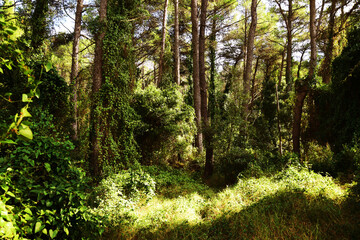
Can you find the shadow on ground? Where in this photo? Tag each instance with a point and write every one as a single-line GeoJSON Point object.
{"type": "Point", "coordinates": [285, 215]}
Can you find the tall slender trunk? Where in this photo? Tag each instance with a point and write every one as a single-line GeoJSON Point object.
{"type": "Point", "coordinates": [196, 80]}
{"type": "Point", "coordinates": [176, 43]}
{"type": "Point", "coordinates": [326, 73]}
{"type": "Point", "coordinates": [288, 73]}
{"type": "Point", "coordinates": [211, 109]}
{"type": "Point", "coordinates": [313, 53]}
{"type": "Point", "coordinates": [278, 86]}
{"type": "Point", "coordinates": [97, 82]}
{"type": "Point", "coordinates": [302, 88]}
{"type": "Point", "coordinates": [163, 42]}
{"type": "Point", "coordinates": [250, 51]}
{"type": "Point", "coordinates": [253, 83]}
{"type": "Point", "coordinates": [208, 171]}
{"type": "Point", "coordinates": [300, 63]}
{"type": "Point", "coordinates": [75, 64]}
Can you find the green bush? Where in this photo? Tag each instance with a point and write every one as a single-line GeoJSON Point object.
{"type": "Point", "coordinates": [117, 195]}
{"type": "Point", "coordinates": [43, 194]}
{"type": "Point", "coordinates": [320, 158]}
{"type": "Point", "coordinates": [168, 124]}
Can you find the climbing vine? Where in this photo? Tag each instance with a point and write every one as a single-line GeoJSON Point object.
{"type": "Point", "coordinates": [117, 119]}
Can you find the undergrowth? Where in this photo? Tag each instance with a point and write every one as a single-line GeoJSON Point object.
{"type": "Point", "coordinates": [295, 203]}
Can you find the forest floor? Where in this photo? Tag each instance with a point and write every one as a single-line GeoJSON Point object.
{"type": "Point", "coordinates": [293, 204]}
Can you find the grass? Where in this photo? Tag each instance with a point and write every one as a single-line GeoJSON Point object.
{"type": "Point", "coordinates": [293, 204]}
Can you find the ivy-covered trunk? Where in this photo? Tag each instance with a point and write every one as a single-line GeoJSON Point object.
{"type": "Point", "coordinates": [97, 82]}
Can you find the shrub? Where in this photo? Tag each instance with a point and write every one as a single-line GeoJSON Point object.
{"type": "Point", "coordinates": [320, 158]}
{"type": "Point", "coordinates": [43, 194]}
{"type": "Point", "coordinates": [168, 124]}
{"type": "Point", "coordinates": [117, 195]}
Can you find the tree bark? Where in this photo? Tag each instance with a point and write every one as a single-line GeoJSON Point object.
{"type": "Point", "coordinates": [302, 88]}
{"type": "Point", "coordinates": [288, 74]}
{"type": "Point", "coordinates": [250, 51]}
{"type": "Point", "coordinates": [253, 80]}
{"type": "Point", "coordinates": [326, 72]}
{"type": "Point", "coordinates": [75, 64]}
{"type": "Point", "coordinates": [278, 86]}
{"type": "Point", "coordinates": [176, 43]}
{"type": "Point", "coordinates": [196, 80]}
{"type": "Point", "coordinates": [97, 82]}
{"type": "Point", "coordinates": [208, 171]}
{"type": "Point", "coordinates": [39, 23]}
{"type": "Point", "coordinates": [163, 42]}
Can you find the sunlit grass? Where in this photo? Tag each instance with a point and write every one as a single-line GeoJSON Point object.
{"type": "Point", "coordinates": [294, 204]}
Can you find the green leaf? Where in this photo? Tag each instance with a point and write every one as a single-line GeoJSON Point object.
{"type": "Point", "coordinates": [10, 194]}
{"type": "Point", "coordinates": [7, 141]}
{"type": "Point", "coordinates": [37, 93]}
{"type": "Point", "coordinates": [25, 112]}
{"type": "Point", "coordinates": [37, 227]}
{"type": "Point", "coordinates": [25, 131]}
{"type": "Point", "coordinates": [49, 203]}
{"type": "Point", "coordinates": [44, 231]}
{"type": "Point", "coordinates": [66, 230]}
{"type": "Point", "coordinates": [27, 210]}
{"type": "Point", "coordinates": [47, 167]}
{"type": "Point", "coordinates": [25, 98]}
{"type": "Point", "coordinates": [52, 233]}
{"type": "Point", "coordinates": [48, 67]}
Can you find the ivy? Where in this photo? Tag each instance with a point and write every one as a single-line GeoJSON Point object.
{"type": "Point", "coordinates": [117, 120]}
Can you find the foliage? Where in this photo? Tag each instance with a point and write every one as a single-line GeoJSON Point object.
{"type": "Point", "coordinates": [43, 192]}
{"type": "Point", "coordinates": [338, 104]}
{"type": "Point", "coordinates": [55, 88]}
{"type": "Point", "coordinates": [321, 159]}
{"type": "Point", "coordinates": [118, 194]}
{"type": "Point", "coordinates": [168, 124]}
{"type": "Point", "coordinates": [295, 202]}
{"type": "Point", "coordinates": [16, 78]}
{"type": "Point", "coordinates": [114, 120]}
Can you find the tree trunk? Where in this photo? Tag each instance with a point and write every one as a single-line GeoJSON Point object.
{"type": "Point", "coordinates": [278, 86]}
{"type": "Point", "coordinates": [196, 80]}
{"type": "Point", "coordinates": [176, 43]}
{"type": "Point", "coordinates": [75, 64]}
{"type": "Point", "coordinates": [250, 52]}
{"type": "Point", "coordinates": [300, 63]}
{"type": "Point", "coordinates": [211, 106]}
{"type": "Point", "coordinates": [208, 171]}
{"type": "Point", "coordinates": [302, 88]}
{"type": "Point", "coordinates": [97, 82]}
{"type": "Point", "coordinates": [39, 23]}
{"type": "Point", "coordinates": [252, 92]}
{"type": "Point", "coordinates": [326, 72]}
{"type": "Point", "coordinates": [288, 74]}
{"type": "Point", "coordinates": [163, 42]}
{"type": "Point", "coordinates": [312, 40]}
{"type": "Point", "coordinates": [301, 92]}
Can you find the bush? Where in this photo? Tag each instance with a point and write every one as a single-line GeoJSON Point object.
{"type": "Point", "coordinates": [43, 194]}
{"type": "Point", "coordinates": [168, 124]}
{"type": "Point", "coordinates": [320, 158]}
{"type": "Point", "coordinates": [117, 195]}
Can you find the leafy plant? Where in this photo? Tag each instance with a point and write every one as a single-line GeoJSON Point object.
{"type": "Point", "coordinates": [168, 124]}
{"type": "Point", "coordinates": [44, 192]}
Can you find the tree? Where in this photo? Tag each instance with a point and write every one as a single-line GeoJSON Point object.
{"type": "Point", "coordinates": [196, 79]}
{"type": "Point", "coordinates": [250, 51]}
{"type": "Point", "coordinates": [97, 82]}
{"type": "Point", "coordinates": [163, 41]}
{"type": "Point", "coordinates": [75, 63]}
{"type": "Point", "coordinates": [39, 23]}
{"type": "Point", "coordinates": [302, 88]}
{"type": "Point", "coordinates": [176, 43]}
